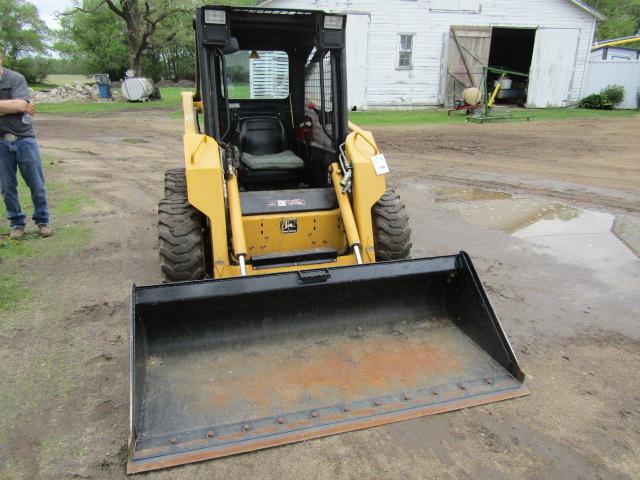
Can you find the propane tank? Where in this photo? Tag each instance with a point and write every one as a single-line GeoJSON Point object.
{"type": "Point", "coordinates": [136, 89]}
{"type": "Point", "coordinates": [472, 95]}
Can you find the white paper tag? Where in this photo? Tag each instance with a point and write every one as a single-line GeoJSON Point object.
{"type": "Point", "coordinates": [380, 164]}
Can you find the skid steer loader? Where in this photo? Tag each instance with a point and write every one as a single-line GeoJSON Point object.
{"type": "Point", "coordinates": [291, 309]}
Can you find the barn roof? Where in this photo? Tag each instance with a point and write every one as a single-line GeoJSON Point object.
{"type": "Point", "coordinates": [589, 9]}
{"type": "Point", "coordinates": [577, 3]}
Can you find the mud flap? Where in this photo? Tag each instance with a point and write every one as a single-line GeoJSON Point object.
{"type": "Point", "coordinates": [221, 367]}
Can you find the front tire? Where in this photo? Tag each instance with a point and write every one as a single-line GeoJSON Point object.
{"type": "Point", "coordinates": [180, 231]}
{"type": "Point", "coordinates": [175, 183]}
{"type": "Point", "coordinates": [392, 235]}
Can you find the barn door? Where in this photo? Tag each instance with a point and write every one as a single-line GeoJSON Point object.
{"type": "Point", "coordinates": [552, 67]}
{"type": "Point", "coordinates": [468, 51]}
{"type": "Point", "coordinates": [357, 45]}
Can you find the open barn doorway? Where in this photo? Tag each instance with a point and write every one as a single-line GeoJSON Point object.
{"type": "Point", "coordinates": [511, 49]}
{"type": "Point", "coordinates": [471, 48]}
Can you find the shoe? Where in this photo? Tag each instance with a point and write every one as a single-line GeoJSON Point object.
{"type": "Point", "coordinates": [17, 233]}
{"type": "Point", "coordinates": [45, 230]}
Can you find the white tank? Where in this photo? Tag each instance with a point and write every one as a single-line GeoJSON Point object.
{"type": "Point", "coordinates": [506, 83]}
{"type": "Point", "coordinates": [136, 89]}
{"type": "Point", "coordinates": [472, 95]}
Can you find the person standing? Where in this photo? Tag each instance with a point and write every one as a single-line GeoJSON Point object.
{"type": "Point", "coordinates": [19, 151]}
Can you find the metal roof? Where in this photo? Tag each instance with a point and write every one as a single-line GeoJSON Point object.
{"type": "Point", "coordinates": [577, 3]}
{"type": "Point", "coordinates": [589, 9]}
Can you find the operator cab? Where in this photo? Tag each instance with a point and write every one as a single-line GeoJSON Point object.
{"type": "Point", "coordinates": [275, 97]}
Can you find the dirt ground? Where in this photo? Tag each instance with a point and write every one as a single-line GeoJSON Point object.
{"type": "Point", "coordinates": [573, 320]}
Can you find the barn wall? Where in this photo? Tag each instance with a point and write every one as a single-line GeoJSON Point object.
{"type": "Point", "coordinates": [388, 87]}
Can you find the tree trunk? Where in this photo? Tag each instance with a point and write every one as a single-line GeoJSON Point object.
{"type": "Point", "coordinates": [136, 63]}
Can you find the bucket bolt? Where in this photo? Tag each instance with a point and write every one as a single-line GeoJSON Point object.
{"type": "Point", "coordinates": [173, 440]}
{"type": "Point", "coordinates": [376, 403]}
{"type": "Point", "coordinates": [406, 397]}
{"type": "Point", "coordinates": [281, 420]}
{"type": "Point", "coordinates": [246, 427]}
{"type": "Point", "coordinates": [345, 409]}
{"type": "Point", "coordinates": [210, 434]}
{"type": "Point", "coordinates": [314, 414]}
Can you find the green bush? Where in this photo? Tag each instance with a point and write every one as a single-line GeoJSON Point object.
{"type": "Point", "coordinates": [34, 69]}
{"type": "Point", "coordinates": [238, 73]}
{"type": "Point", "coordinates": [597, 101]}
{"type": "Point", "coordinates": [614, 94]}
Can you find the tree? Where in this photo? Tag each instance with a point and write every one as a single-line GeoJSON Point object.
{"type": "Point", "coordinates": [22, 32]}
{"type": "Point", "coordinates": [96, 41]}
{"type": "Point", "coordinates": [141, 18]}
{"type": "Point", "coordinates": [623, 18]}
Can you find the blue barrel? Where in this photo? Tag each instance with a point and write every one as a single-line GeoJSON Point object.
{"type": "Point", "coordinates": [105, 91]}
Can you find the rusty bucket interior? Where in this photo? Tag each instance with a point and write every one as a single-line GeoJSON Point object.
{"type": "Point", "coordinates": [221, 367]}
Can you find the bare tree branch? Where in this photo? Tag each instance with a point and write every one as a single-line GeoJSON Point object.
{"type": "Point", "coordinates": [75, 10]}
{"type": "Point", "coordinates": [118, 11]}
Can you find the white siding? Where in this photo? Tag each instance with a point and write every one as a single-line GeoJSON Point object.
{"type": "Point", "coordinates": [614, 54]}
{"type": "Point", "coordinates": [603, 73]}
{"type": "Point", "coordinates": [389, 87]}
{"type": "Point", "coordinates": [357, 49]}
{"type": "Point", "coordinates": [269, 75]}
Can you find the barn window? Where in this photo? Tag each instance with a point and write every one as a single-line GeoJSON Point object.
{"type": "Point", "coordinates": [405, 51]}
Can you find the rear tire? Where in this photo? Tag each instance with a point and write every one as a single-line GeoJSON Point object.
{"type": "Point", "coordinates": [392, 235]}
{"type": "Point", "coordinates": [180, 231]}
{"type": "Point", "coordinates": [175, 183]}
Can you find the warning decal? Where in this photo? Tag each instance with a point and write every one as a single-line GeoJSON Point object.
{"type": "Point", "coordinates": [293, 202]}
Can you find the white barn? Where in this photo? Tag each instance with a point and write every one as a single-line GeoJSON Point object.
{"type": "Point", "coordinates": [406, 54]}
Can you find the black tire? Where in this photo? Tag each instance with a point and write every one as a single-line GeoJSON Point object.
{"type": "Point", "coordinates": [175, 183]}
{"type": "Point", "coordinates": [392, 235]}
{"type": "Point", "coordinates": [180, 230]}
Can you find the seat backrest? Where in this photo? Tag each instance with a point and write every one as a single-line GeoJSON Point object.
{"type": "Point", "coordinates": [261, 135]}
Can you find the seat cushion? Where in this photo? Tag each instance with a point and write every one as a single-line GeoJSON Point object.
{"type": "Point", "coordinates": [286, 160]}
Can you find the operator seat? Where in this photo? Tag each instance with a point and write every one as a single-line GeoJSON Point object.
{"type": "Point", "coordinates": [263, 154]}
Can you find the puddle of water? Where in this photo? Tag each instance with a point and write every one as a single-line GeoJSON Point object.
{"type": "Point", "coordinates": [586, 240]}
{"type": "Point", "coordinates": [572, 235]}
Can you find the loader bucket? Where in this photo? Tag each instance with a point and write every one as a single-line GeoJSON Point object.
{"type": "Point", "coordinates": [220, 367]}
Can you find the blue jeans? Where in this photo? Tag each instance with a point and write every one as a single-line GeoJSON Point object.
{"type": "Point", "coordinates": [22, 154]}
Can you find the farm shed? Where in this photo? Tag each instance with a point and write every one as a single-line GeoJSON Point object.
{"type": "Point", "coordinates": [614, 66]}
{"type": "Point", "coordinates": [421, 53]}
{"type": "Point", "coordinates": [615, 54]}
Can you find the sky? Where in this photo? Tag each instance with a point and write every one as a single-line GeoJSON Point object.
{"type": "Point", "coordinates": [47, 8]}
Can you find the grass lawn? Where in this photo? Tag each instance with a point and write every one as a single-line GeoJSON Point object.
{"type": "Point", "coordinates": [422, 117]}
{"type": "Point", "coordinates": [171, 100]}
{"type": "Point", "coordinates": [65, 201]}
{"type": "Point", "coordinates": [61, 79]}
{"type": "Point", "coordinates": [43, 86]}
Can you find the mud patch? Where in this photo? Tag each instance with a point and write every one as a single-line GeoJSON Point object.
{"type": "Point", "coordinates": [586, 238]}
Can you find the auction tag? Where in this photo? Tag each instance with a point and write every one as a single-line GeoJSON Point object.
{"type": "Point", "coordinates": [380, 164]}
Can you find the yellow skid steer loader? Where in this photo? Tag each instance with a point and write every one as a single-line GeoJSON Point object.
{"type": "Point", "coordinates": [291, 309]}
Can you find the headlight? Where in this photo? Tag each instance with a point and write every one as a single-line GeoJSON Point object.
{"type": "Point", "coordinates": [216, 17]}
{"type": "Point", "coordinates": [333, 22]}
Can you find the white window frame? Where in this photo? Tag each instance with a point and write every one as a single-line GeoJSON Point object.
{"type": "Point", "coordinates": [400, 51]}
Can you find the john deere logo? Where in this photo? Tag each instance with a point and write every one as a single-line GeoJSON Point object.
{"type": "Point", "coordinates": [289, 226]}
